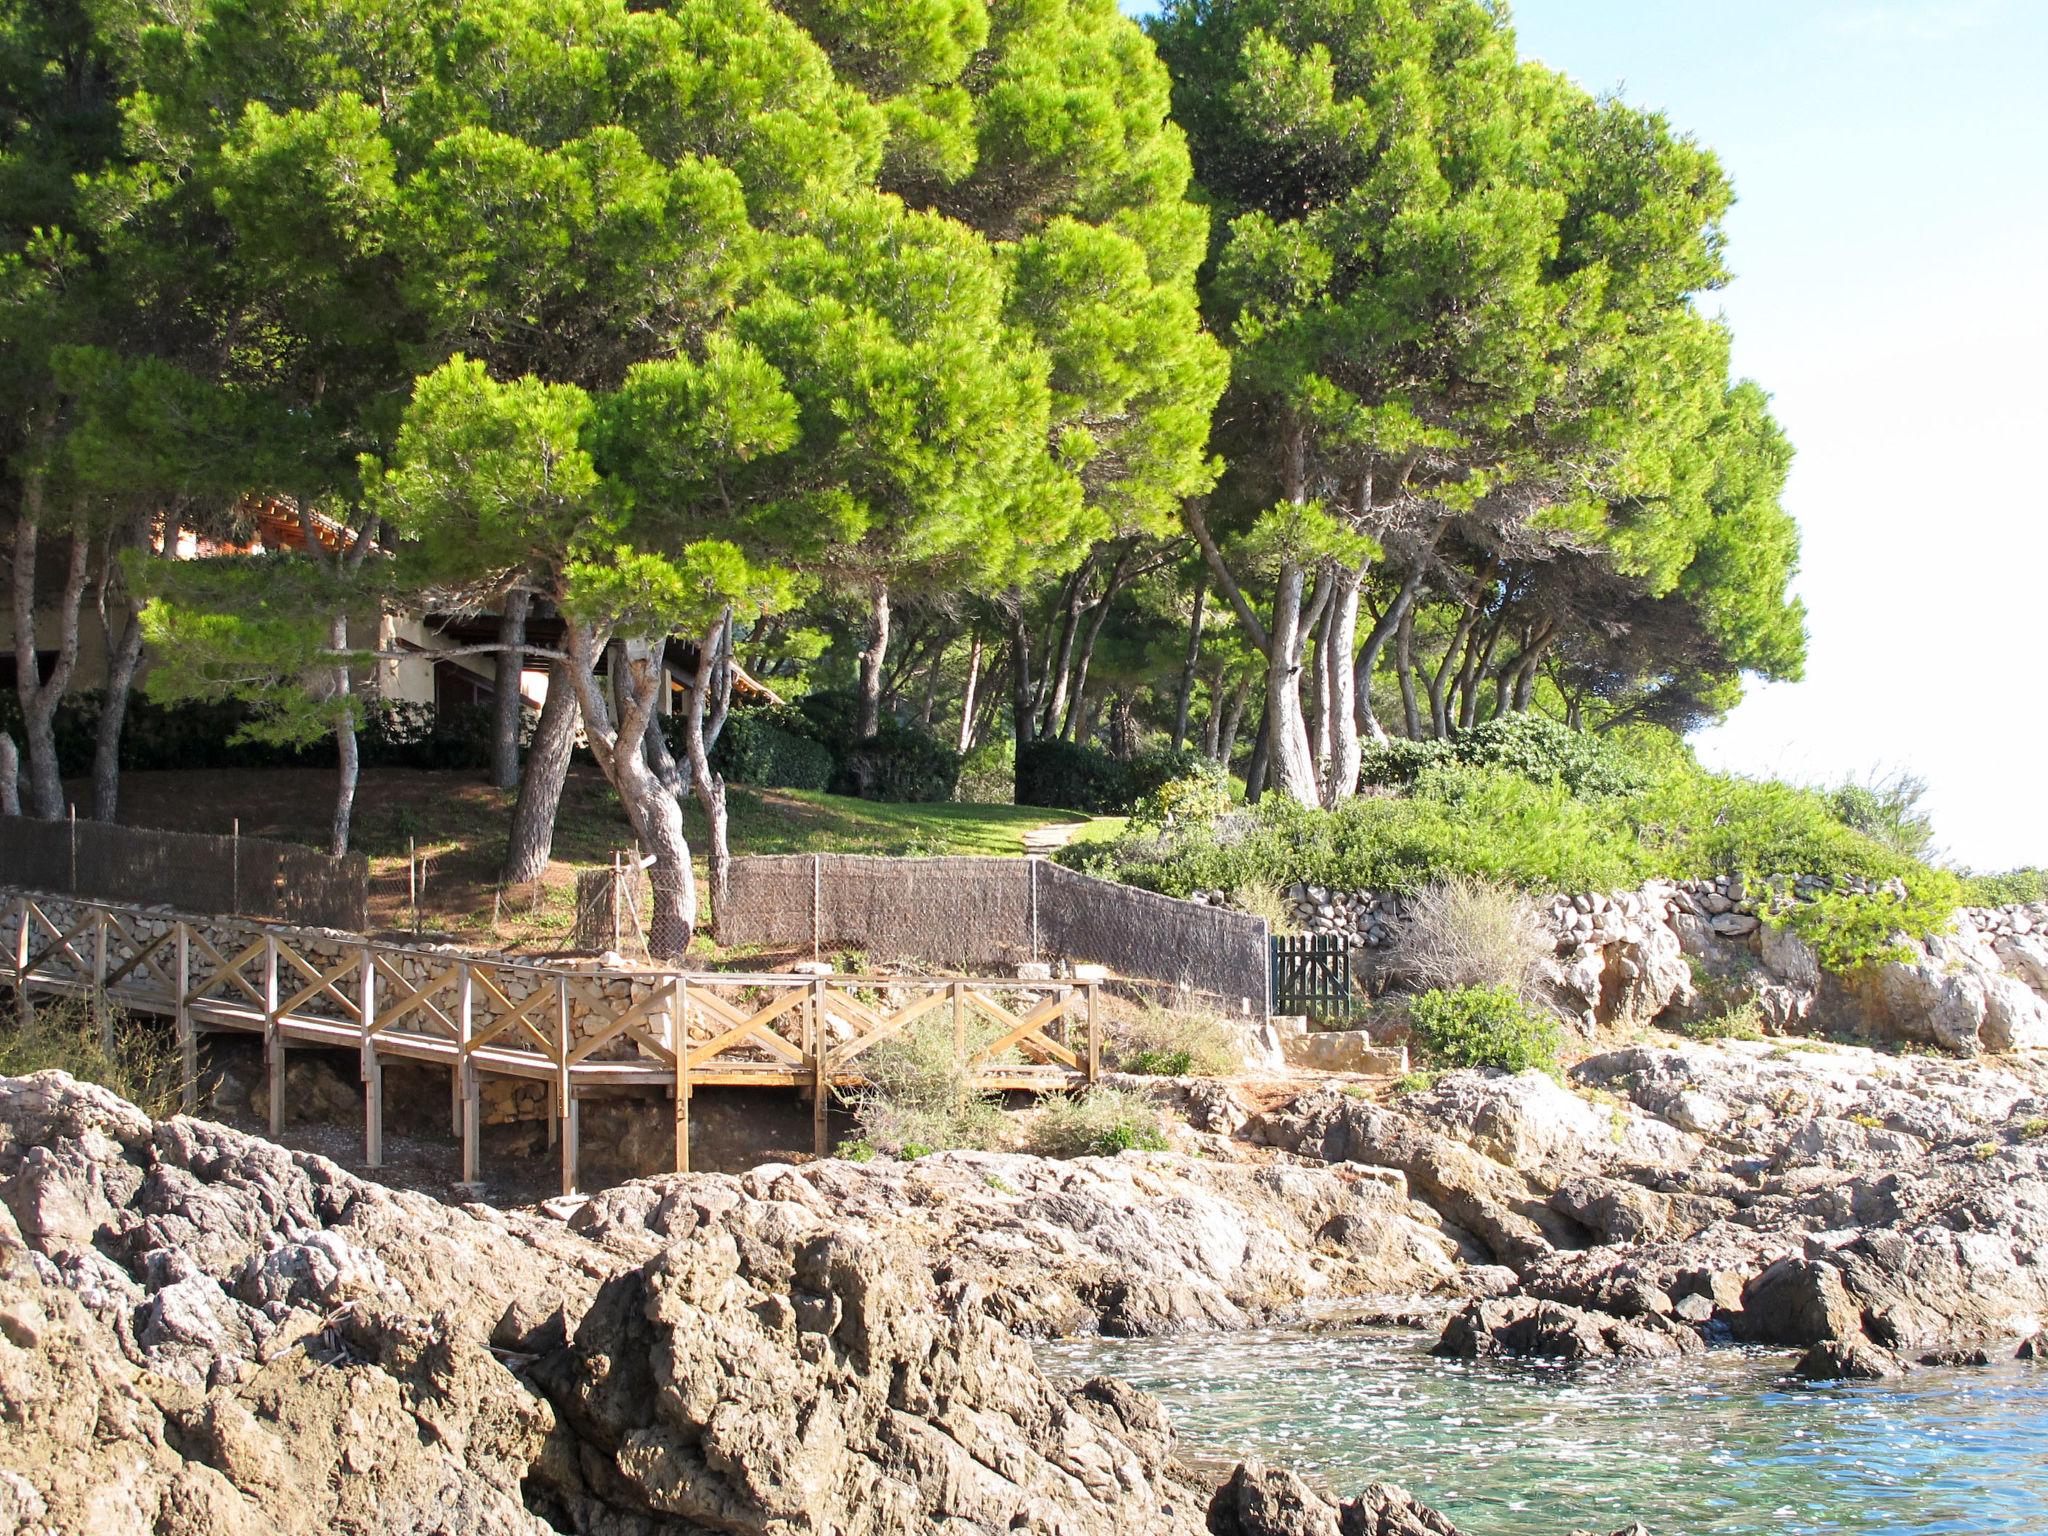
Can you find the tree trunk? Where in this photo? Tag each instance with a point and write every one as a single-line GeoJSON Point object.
{"type": "Point", "coordinates": [868, 721]}
{"type": "Point", "coordinates": [506, 705]}
{"type": "Point", "coordinates": [710, 699]}
{"type": "Point", "coordinates": [1261, 759]}
{"type": "Point", "coordinates": [10, 777]}
{"type": "Point", "coordinates": [1233, 721]}
{"type": "Point", "coordinates": [41, 695]}
{"type": "Point", "coordinates": [540, 784]}
{"type": "Point", "coordinates": [653, 811]}
{"type": "Point", "coordinates": [1293, 767]}
{"type": "Point", "coordinates": [347, 759]}
{"type": "Point", "coordinates": [965, 741]}
{"type": "Point", "coordinates": [1057, 664]}
{"type": "Point", "coordinates": [124, 657]}
{"type": "Point", "coordinates": [1340, 636]}
{"type": "Point", "coordinates": [1369, 659]}
{"type": "Point", "coordinates": [1404, 668]}
{"type": "Point", "coordinates": [1193, 659]}
{"type": "Point", "coordinates": [1212, 718]}
{"type": "Point", "coordinates": [1109, 592]}
{"type": "Point", "coordinates": [1476, 669]}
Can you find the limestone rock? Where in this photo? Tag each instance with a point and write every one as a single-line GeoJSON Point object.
{"type": "Point", "coordinates": [1521, 1328]}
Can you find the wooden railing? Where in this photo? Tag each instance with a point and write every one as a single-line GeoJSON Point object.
{"type": "Point", "coordinates": [575, 1029]}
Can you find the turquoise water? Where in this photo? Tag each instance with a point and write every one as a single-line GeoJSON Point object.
{"type": "Point", "coordinates": [1709, 1446]}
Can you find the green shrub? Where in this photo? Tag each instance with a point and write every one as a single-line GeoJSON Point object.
{"type": "Point", "coordinates": [1848, 932]}
{"type": "Point", "coordinates": [1065, 776]}
{"type": "Point", "coordinates": [920, 1095]}
{"type": "Point", "coordinates": [1484, 1027]}
{"type": "Point", "coordinates": [143, 1066]}
{"type": "Point", "coordinates": [1743, 1021]}
{"type": "Point", "coordinates": [1158, 766]}
{"type": "Point", "coordinates": [1194, 799]}
{"type": "Point", "coordinates": [2016, 887]}
{"type": "Point", "coordinates": [759, 747]}
{"type": "Point", "coordinates": [1532, 746]}
{"type": "Point", "coordinates": [988, 775]}
{"type": "Point", "coordinates": [1099, 1122]}
{"type": "Point", "coordinates": [1171, 1042]}
{"type": "Point", "coordinates": [898, 765]}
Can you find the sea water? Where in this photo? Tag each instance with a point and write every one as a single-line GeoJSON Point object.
{"type": "Point", "coordinates": [1722, 1443]}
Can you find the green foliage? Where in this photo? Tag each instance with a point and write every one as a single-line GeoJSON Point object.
{"type": "Point", "coordinates": [754, 748]}
{"type": "Point", "coordinates": [1194, 798]}
{"type": "Point", "coordinates": [2016, 887]}
{"type": "Point", "coordinates": [1417, 1082]}
{"type": "Point", "coordinates": [899, 764]}
{"type": "Point", "coordinates": [1484, 1027]}
{"type": "Point", "coordinates": [1888, 810]}
{"type": "Point", "coordinates": [2034, 1128]}
{"type": "Point", "coordinates": [1532, 745]}
{"type": "Point", "coordinates": [988, 775]}
{"type": "Point", "coordinates": [142, 1066]}
{"type": "Point", "coordinates": [1743, 1021]}
{"type": "Point", "coordinates": [1067, 776]}
{"type": "Point", "coordinates": [1462, 932]}
{"type": "Point", "coordinates": [1098, 1122]}
{"type": "Point", "coordinates": [1848, 931]}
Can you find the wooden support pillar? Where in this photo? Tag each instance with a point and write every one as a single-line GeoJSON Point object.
{"type": "Point", "coordinates": [566, 1115]}
{"type": "Point", "coordinates": [102, 1015]}
{"type": "Point", "coordinates": [959, 990]}
{"type": "Point", "coordinates": [821, 1095]}
{"type": "Point", "coordinates": [471, 1107]}
{"type": "Point", "coordinates": [373, 1066]}
{"type": "Point", "coordinates": [181, 1015]}
{"type": "Point", "coordinates": [679, 1038]}
{"type": "Point", "coordinates": [22, 1005]}
{"type": "Point", "coordinates": [273, 1037]}
{"type": "Point", "coordinates": [1094, 1032]}
{"type": "Point", "coordinates": [572, 1137]}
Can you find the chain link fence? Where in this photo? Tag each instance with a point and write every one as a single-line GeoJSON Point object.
{"type": "Point", "coordinates": [188, 871]}
{"type": "Point", "coordinates": [970, 914]}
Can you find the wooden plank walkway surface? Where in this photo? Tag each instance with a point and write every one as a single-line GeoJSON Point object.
{"type": "Point", "coordinates": [574, 1028]}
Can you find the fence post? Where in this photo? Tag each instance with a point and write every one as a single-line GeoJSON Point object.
{"type": "Point", "coordinates": [565, 1089]}
{"type": "Point", "coordinates": [235, 866]}
{"type": "Point", "coordinates": [22, 1006]}
{"type": "Point", "coordinates": [679, 1037]}
{"type": "Point", "coordinates": [273, 1035]}
{"type": "Point", "coordinates": [817, 905]}
{"type": "Point", "coordinates": [373, 1069]}
{"type": "Point", "coordinates": [472, 1093]}
{"type": "Point", "coordinates": [960, 1024]}
{"type": "Point", "coordinates": [1034, 908]}
{"type": "Point", "coordinates": [102, 1015]}
{"type": "Point", "coordinates": [820, 1093]}
{"type": "Point", "coordinates": [188, 1039]}
{"type": "Point", "coordinates": [73, 884]}
{"type": "Point", "coordinates": [1094, 1034]}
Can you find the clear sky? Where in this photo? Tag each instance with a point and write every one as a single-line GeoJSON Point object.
{"type": "Point", "coordinates": [1891, 255]}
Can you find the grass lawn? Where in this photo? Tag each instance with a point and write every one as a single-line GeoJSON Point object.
{"type": "Point", "coordinates": [457, 823]}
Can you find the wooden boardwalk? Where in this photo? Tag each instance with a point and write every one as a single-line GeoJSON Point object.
{"type": "Point", "coordinates": [574, 1029]}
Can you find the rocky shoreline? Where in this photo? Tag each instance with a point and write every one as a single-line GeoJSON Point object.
{"type": "Point", "coordinates": [200, 1331]}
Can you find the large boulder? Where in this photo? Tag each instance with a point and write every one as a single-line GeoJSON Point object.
{"type": "Point", "coordinates": [1520, 1327]}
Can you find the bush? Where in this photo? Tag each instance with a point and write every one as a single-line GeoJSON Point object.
{"type": "Point", "coordinates": [1099, 1122]}
{"type": "Point", "coordinates": [988, 775]}
{"type": "Point", "coordinates": [1064, 776]}
{"type": "Point", "coordinates": [1533, 746]}
{"type": "Point", "coordinates": [142, 1067]}
{"type": "Point", "coordinates": [1742, 1021]}
{"type": "Point", "coordinates": [1463, 932]}
{"type": "Point", "coordinates": [2016, 887]}
{"type": "Point", "coordinates": [1159, 766]}
{"type": "Point", "coordinates": [1168, 1042]}
{"type": "Point", "coordinates": [758, 747]}
{"type": "Point", "coordinates": [898, 765]}
{"type": "Point", "coordinates": [1194, 799]}
{"type": "Point", "coordinates": [1484, 1027]}
{"type": "Point", "coordinates": [920, 1096]}
{"type": "Point", "coordinates": [1848, 932]}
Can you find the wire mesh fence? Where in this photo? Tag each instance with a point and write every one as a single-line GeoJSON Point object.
{"type": "Point", "coordinates": [973, 913]}
{"type": "Point", "coordinates": [191, 871]}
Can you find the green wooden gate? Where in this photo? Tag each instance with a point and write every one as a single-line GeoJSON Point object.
{"type": "Point", "coordinates": [1311, 973]}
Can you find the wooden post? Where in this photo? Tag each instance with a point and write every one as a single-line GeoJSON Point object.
{"type": "Point", "coordinates": [181, 1014]}
{"type": "Point", "coordinates": [959, 1023]}
{"type": "Point", "coordinates": [273, 1036]}
{"type": "Point", "coordinates": [679, 1037]}
{"type": "Point", "coordinates": [472, 1091]}
{"type": "Point", "coordinates": [565, 1093]}
{"type": "Point", "coordinates": [1094, 1033]}
{"type": "Point", "coordinates": [373, 1067]}
{"type": "Point", "coordinates": [102, 1015]}
{"type": "Point", "coordinates": [821, 1097]}
{"type": "Point", "coordinates": [572, 1136]}
{"type": "Point", "coordinates": [22, 1006]}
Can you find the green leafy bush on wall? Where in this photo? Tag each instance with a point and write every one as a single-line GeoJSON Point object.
{"type": "Point", "coordinates": [1484, 1027]}
{"type": "Point", "coordinates": [1848, 931]}
{"type": "Point", "coordinates": [2016, 887]}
